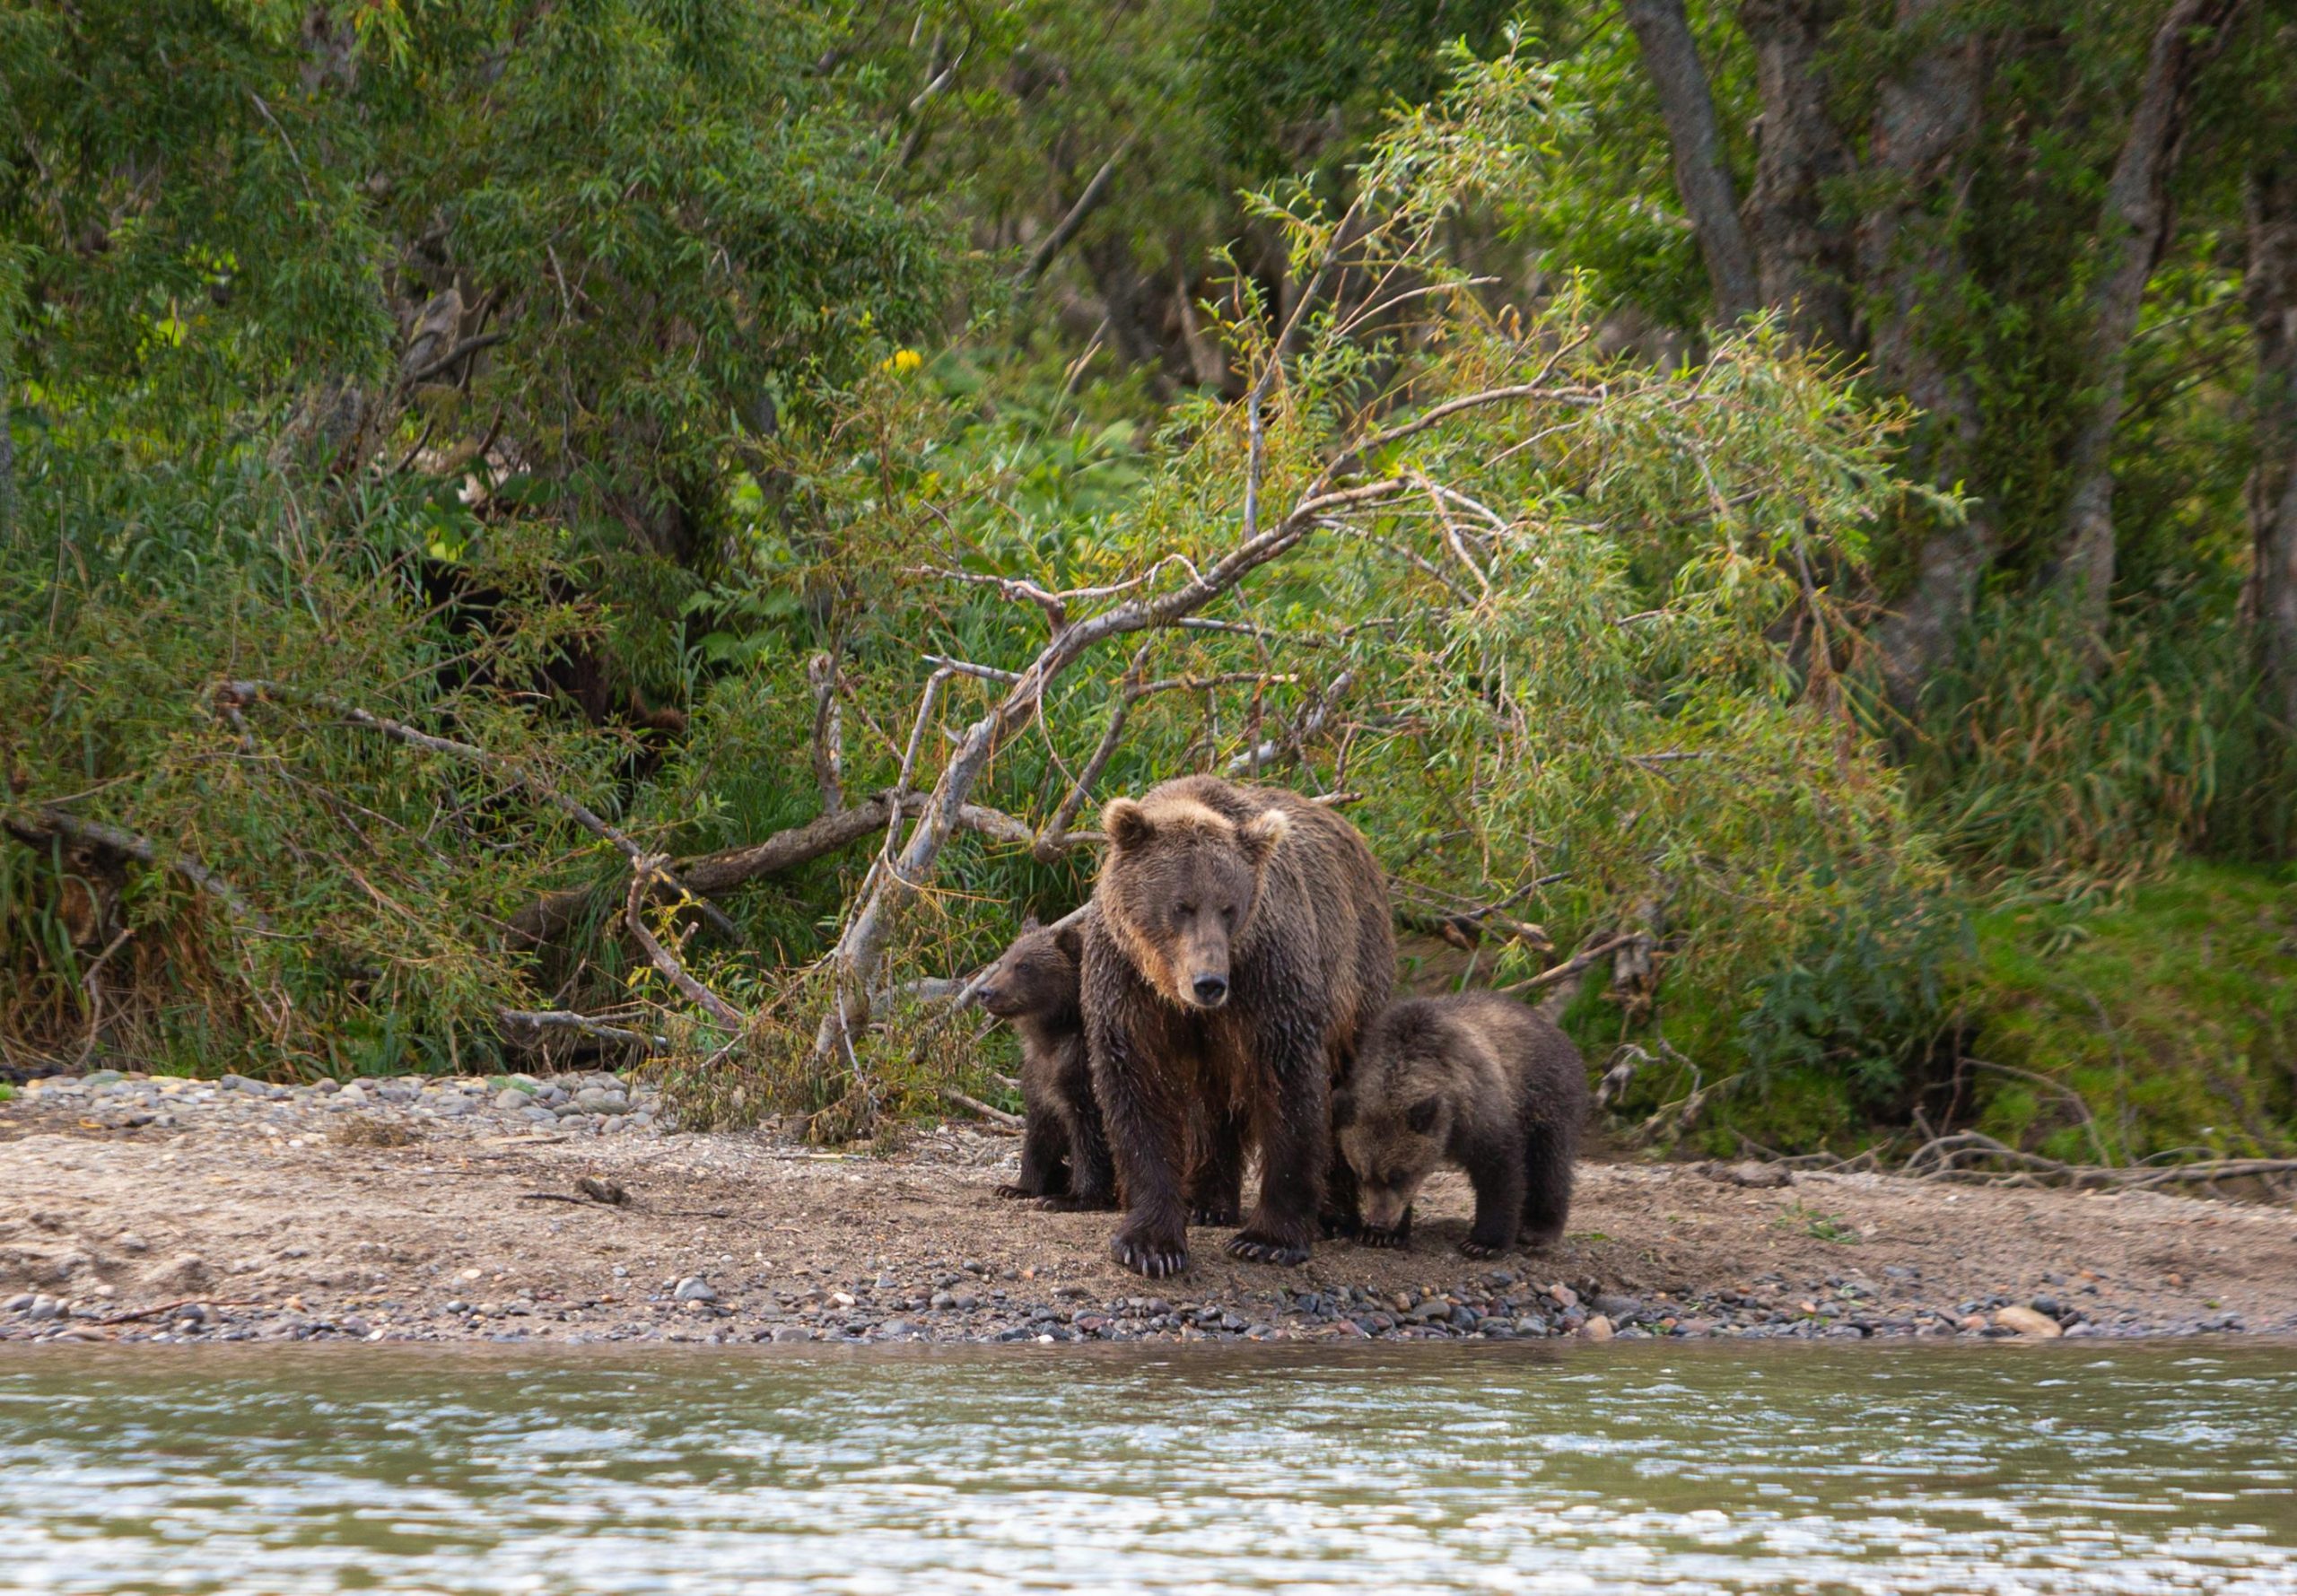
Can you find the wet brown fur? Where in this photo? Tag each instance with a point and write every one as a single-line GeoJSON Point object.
{"type": "Point", "coordinates": [1477, 1080]}
{"type": "Point", "coordinates": [1064, 1149]}
{"type": "Point", "coordinates": [1278, 908]}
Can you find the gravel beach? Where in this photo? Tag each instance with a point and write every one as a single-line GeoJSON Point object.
{"type": "Point", "coordinates": [566, 1208]}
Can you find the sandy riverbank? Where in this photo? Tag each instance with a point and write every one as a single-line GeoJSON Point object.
{"type": "Point", "coordinates": [136, 1210]}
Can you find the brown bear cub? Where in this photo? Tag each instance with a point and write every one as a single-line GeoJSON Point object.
{"type": "Point", "coordinates": [1065, 1150]}
{"type": "Point", "coordinates": [1239, 940]}
{"type": "Point", "coordinates": [1476, 1080]}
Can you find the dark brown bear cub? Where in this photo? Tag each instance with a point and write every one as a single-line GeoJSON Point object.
{"type": "Point", "coordinates": [1239, 939]}
{"type": "Point", "coordinates": [1065, 1150]}
{"type": "Point", "coordinates": [1477, 1080]}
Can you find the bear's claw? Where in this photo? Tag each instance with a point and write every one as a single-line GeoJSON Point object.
{"type": "Point", "coordinates": [1471, 1248]}
{"type": "Point", "coordinates": [1265, 1249]}
{"type": "Point", "coordinates": [1144, 1259]}
{"type": "Point", "coordinates": [1371, 1237]}
{"type": "Point", "coordinates": [1204, 1214]}
{"type": "Point", "coordinates": [1011, 1190]}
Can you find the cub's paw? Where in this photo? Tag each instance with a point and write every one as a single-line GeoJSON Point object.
{"type": "Point", "coordinates": [1385, 1239]}
{"type": "Point", "coordinates": [1155, 1257]}
{"type": "Point", "coordinates": [1471, 1248]}
{"type": "Point", "coordinates": [1213, 1214]}
{"type": "Point", "coordinates": [1263, 1247]}
{"type": "Point", "coordinates": [1017, 1192]}
{"type": "Point", "coordinates": [1541, 1241]}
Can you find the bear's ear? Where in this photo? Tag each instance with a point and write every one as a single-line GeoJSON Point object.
{"type": "Point", "coordinates": [1127, 824]}
{"type": "Point", "coordinates": [1259, 836]}
{"type": "Point", "coordinates": [1029, 922]}
{"type": "Point", "coordinates": [1071, 940]}
{"type": "Point", "coordinates": [1421, 1117]}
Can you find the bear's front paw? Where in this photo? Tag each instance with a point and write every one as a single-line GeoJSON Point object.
{"type": "Point", "coordinates": [1208, 1213]}
{"type": "Point", "coordinates": [1261, 1247]}
{"type": "Point", "coordinates": [1472, 1248]}
{"type": "Point", "coordinates": [1011, 1190]}
{"type": "Point", "coordinates": [1156, 1257]}
{"type": "Point", "coordinates": [1372, 1237]}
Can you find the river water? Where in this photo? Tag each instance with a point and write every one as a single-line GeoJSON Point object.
{"type": "Point", "coordinates": [2161, 1466]}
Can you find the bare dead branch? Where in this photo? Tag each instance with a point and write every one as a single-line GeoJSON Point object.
{"type": "Point", "coordinates": [829, 731]}
{"type": "Point", "coordinates": [461, 351]}
{"type": "Point", "coordinates": [562, 1019]}
{"type": "Point", "coordinates": [1049, 248]}
{"type": "Point", "coordinates": [643, 873]}
{"type": "Point", "coordinates": [995, 1116]}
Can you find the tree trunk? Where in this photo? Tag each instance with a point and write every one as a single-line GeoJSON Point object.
{"type": "Point", "coordinates": [2134, 225]}
{"type": "Point", "coordinates": [1802, 257]}
{"type": "Point", "coordinates": [1910, 265]}
{"type": "Point", "coordinates": [2271, 601]}
{"type": "Point", "coordinates": [1670, 57]}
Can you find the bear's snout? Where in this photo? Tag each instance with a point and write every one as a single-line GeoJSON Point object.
{"type": "Point", "coordinates": [1212, 991]}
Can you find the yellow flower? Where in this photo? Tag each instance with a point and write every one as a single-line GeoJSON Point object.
{"type": "Point", "coordinates": [901, 363]}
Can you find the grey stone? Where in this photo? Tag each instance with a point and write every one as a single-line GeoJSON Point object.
{"type": "Point", "coordinates": [17, 1303]}
{"type": "Point", "coordinates": [693, 1289]}
{"type": "Point", "coordinates": [44, 1307]}
{"type": "Point", "coordinates": [792, 1332]}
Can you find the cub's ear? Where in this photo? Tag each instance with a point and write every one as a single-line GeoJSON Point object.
{"type": "Point", "coordinates": [1029, 922]}
{"type": "Point", "coordinates": [1421, 1117]}
{"type": "Point", "coordinates": [1260, 835]}
{"type": "Point", "coordinates": [1127, 824]}
{"type": "Point", "coordinates": [1071, 940]}
{"type": "Point", "coordinates": [1343, 1109]}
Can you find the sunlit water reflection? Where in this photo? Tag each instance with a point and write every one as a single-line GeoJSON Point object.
{"type": "Point", "coordinates": [2144, 1469]}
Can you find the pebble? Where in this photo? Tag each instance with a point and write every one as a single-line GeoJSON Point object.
{"type": "Point", "coordinates": [2025, 1322]}
{"type": "Point", "coordinates": [693, 1289]}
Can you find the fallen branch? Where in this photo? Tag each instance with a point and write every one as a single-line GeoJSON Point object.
{"type": "Point", "coordinates": [243, 693]}
{"type": "Point", "coordinates": [995, 1116]}
{"type": "Point", "coordinates": [563, 1019]}
{"type": "Point", "coordinates": [643, 874]}
{"type": "Point", "coordinates": [54, 823]}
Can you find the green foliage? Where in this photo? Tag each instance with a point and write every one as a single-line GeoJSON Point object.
{"type": "Point", "coordinates": [2167, 1020]}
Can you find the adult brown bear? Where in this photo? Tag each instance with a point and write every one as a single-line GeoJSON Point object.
{"type": "Point", "coordinates": [1240, 941]}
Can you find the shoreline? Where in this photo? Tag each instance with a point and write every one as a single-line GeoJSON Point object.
{"type": "Point", "coordinates": [427, 1211]}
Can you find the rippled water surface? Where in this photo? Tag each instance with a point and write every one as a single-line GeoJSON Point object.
{"type": "Point", "coordinates": [1612, 1469]}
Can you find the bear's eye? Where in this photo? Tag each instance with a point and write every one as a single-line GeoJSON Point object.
{"type": "Point", "coordinates": [1185, 911]}
{"type": "Point", "coordinates": [1229, 916]}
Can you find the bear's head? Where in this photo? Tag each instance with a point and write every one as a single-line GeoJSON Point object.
{"type": "Point", "coordinates": [1036, 976]}
{"type": "Point", "coordinates": [1393, 1121]}
{"type": "Point", "coordinates": [1178, 888]}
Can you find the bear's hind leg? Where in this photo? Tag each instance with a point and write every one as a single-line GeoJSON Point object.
{"type": "Point", "coordinates": [1044, 1143]}
{"type": "Point", "coordinates": [1547, 1192]}
{"type": "Point", "coordinates": [1295, 1143]}
{"type": "Point", "coordinates": [1216, 1180]}
{"type": "Point", "coordinates": [1497, 1175]}
{"type": "Point", "coordinates": [1093, 1183]}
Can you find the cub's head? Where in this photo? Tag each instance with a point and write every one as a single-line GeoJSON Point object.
{"type": "Point", "coordinates": [1392, 1121]}
{"type": "Point", "coordinates": [1036, 976]}
{"type": "Point", "coordinates": [1178, 887]}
